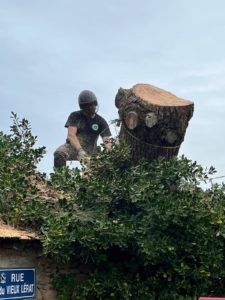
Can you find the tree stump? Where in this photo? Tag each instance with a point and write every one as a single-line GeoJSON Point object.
{"type": "Point", "coordinates": [153, 121]}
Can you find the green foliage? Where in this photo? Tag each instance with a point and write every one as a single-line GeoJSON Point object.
{"type": "Point", "coordinates": [137, 232]}
{"type": "Point", "coordinates": [18, 162]}
{"type": "Point", "coordinates": [150, 226]}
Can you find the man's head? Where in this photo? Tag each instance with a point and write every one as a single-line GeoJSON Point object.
{"type": "Point", "coordinates": [88, 102]}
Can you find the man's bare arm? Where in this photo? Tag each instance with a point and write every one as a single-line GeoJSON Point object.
{"type": "Point", "coordinates": [72, 137]}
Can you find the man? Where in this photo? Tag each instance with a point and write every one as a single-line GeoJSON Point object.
{"type": "Point", "coordinates": [84, 127]}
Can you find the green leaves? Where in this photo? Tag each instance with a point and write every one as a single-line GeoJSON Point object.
{"type": "Point", "coordinates": [18, 163]}
{"type": "Point", "coordinates": [154, 220]}
{"type": "Point", "coordinates": [141, 232]}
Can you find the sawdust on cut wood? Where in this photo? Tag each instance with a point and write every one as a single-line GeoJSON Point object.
{"type": "Point", "coordinates": [157, 96]}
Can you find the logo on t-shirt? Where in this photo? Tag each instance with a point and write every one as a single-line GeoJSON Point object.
{"type": "Point", "coordinates": [95, 127]}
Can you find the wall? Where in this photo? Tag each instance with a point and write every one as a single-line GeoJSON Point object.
{"type": "Point", "coordinates": [15, 253]}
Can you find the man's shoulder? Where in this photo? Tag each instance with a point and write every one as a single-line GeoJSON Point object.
{"type": "Point", "coordinates": [74, 118]}
{"type": "Point", "coordinates": [76, 113]}
{"type": "Point", "coordinates": [99, 118]}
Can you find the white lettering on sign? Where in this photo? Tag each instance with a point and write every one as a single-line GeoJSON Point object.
{"type": "Point", "coordinates": [17, 277]}
{"type": "Point", "coordinates": [27, 288]}
{"type": "Point", "coordinates": [2, 291]}
{"type": "Point", "coordinates": [13, 289]}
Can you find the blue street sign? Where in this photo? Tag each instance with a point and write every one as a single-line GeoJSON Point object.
{"type": "Point", "coordinates": [17, 283]}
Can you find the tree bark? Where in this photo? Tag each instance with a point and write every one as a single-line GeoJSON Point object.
{"type": "Point", "coordinates": [153, 121]}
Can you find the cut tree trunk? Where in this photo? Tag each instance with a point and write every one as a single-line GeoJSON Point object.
{"type": "Point", "coordinates": [153, 121]}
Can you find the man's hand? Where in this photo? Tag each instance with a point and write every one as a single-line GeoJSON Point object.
{"type": "Point", "coordinates": [82, 155]}
{"type": "Point", "coordinates": [107, 143]}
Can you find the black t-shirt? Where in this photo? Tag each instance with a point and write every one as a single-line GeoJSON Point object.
{"type": "Point", "coordinates": [88, 129]}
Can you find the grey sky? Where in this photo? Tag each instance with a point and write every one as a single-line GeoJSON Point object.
{"type": "Point", "coordinates": [51, 50]}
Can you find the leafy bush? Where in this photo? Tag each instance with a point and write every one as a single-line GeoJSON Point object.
{"type": "Point", "coordinates": [137, 232]}
{"type": "Point", "coordinates": [152, 232]}
{"type": "Point", "coordinates": [18, 163]}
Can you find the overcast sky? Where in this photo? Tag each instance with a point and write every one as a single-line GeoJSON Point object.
{"type": "Point", "coordinates": [50, 50]}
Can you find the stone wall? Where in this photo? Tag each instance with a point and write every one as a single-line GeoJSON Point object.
{"type": "Point", "coordinates": [15, 253]}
